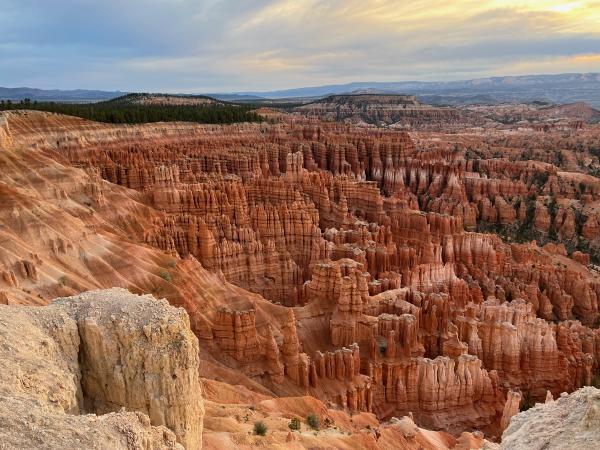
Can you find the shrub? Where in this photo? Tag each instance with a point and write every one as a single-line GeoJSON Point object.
{"type": "Point", "coordinates": [530, 215]}
{"type": "Point", "coordinates": [165, 275]}
{"type": "Point", "coordinates": [294, 424]}
{"type": "Point", "coordinates": [580, 220]}
{"type": "Point", "coordinates": [553, 208]}
{"type": "Point", "coordinates": [260, 428]}
{"type": "Point", "coordinates": [540, 178]}
{"type": "Point", "coordinates": [313, 421]}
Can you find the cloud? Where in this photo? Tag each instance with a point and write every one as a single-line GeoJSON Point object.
{"type": "Point", "coordinates": [225, 45]}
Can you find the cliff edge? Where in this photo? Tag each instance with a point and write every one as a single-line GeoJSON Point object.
{"type": "Point", "coordinates": [570, 422]}
{"type": "Point", "coordinates": [103, 369]}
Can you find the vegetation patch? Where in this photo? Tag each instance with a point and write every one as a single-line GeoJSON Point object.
{"type": "Point", "coordinates": [294, 424]}
{"type": "Point", "coordinates": [313, 421]}
{"type": "Point", "coordinates": [165, 275]}
{"type": "Point", "coordinates": [260, 428]}
{"type": "Point", "coordinates": [122, 110]}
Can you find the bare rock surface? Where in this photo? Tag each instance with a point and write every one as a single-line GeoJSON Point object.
{"type": "Point", "coordinates": [27, 424]}
{"type": "Point", "coordinates": [101, 352]}
{"type": "Point", "coordinates": [570, 422]}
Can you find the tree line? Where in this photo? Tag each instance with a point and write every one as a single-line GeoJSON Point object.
{"type": "Point", "coordinates": [122, 112]}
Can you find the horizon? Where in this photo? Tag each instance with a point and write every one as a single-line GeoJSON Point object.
{"type": "Point", "coordinates": [293, 88]}
{"type": "Point", "coordinates": [223, 46]}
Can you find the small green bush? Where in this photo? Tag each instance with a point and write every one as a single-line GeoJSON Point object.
{"type": "Point", "coordinates": [294, 424]}
{"type": "Point", "coordinates": [313, 421]}
{"type": "Point", "coordinates": [260, 428]}
{"type": "Point", "coordinates": [165, 275]}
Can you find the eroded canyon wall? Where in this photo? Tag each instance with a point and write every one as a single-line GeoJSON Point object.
{"type": "Point", "coordinates": [314, 259]}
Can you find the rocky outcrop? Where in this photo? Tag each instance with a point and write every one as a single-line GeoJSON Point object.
{"type": "Point", "coordinates": [380, 109]}
{"type": "Point", "coordinates": [571, 421]}
{"type": "Point", "coordinates": [24, 423]}
{"type": "Point", "coordinates": [444, 391]}
{"type": "Point", "coordinates": [78, 363]}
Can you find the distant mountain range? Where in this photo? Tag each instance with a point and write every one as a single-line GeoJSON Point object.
{"type": "Point", "coordinates": [42, 95]}
{"type": "Point", "coordinates": [561, 89]}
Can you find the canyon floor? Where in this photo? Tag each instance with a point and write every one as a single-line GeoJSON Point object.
{"type": "Point", "coordinates": [410, 285]}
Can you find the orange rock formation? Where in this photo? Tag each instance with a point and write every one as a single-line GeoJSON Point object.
{"type": "Point", "coordinates": [316, 260]}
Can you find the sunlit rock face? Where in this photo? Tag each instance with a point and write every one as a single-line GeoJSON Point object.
{"type": "Point", "coordinates": [570, 421]}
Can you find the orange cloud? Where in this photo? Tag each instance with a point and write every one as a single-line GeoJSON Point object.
{"type": "Point", "coordinates": [587, 59]}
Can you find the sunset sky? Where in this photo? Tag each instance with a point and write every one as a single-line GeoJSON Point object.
{"type": "Point", "coordinates": [241, 45]}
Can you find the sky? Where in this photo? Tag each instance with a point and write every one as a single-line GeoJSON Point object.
{"type": "Point", "coordinates": [251, 45]}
